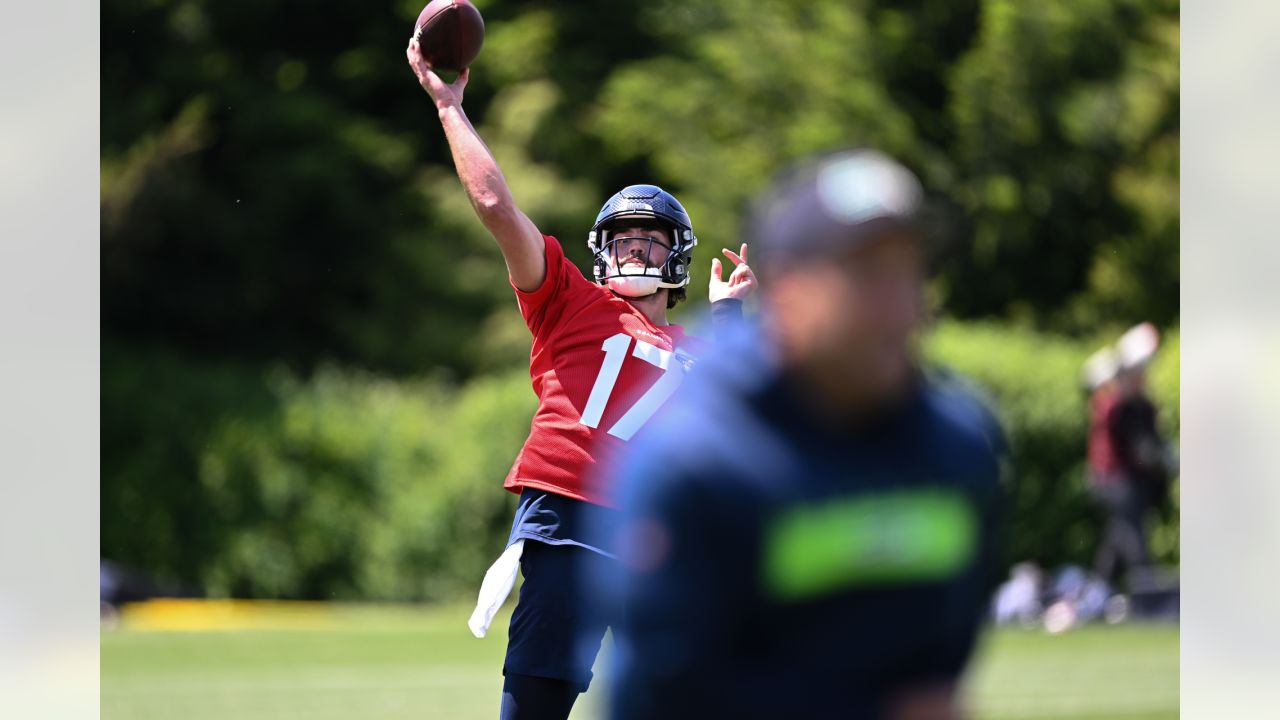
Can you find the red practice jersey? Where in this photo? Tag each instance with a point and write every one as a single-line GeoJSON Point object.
{"type": "Point", "coordinates": [1104, 460]}
{"type": "Point", "coordinates": [600, 370]}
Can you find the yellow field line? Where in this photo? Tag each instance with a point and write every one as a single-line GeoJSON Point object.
{"type": "Point", "coordinates": [194, 615]}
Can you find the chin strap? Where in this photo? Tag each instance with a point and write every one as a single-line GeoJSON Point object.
{"type": "Point", "coordinates": [634, 285]}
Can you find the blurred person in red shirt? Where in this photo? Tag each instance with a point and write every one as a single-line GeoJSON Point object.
{"type": "Point", "coordinates": [1128, 465]}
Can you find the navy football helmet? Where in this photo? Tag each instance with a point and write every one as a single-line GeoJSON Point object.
{"type": "Point", "coordinates": [642, 205]}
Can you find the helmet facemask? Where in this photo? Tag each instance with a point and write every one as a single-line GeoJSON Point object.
{"type": "Point", "coordinates": [622, 274]}
{"type": "Point", "coordinates": [611, 263]}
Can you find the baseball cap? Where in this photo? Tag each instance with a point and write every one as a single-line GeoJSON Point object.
{"type": "Point", "coordinates": [826, 205]}
{"type": "Point", "coordinates": [1137, 346]}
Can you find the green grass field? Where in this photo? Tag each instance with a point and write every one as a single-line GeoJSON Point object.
{"type": "Point", "coordinates": [392, 663]}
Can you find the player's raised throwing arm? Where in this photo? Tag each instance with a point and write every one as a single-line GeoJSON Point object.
{"type": "Point", "coordinates": [517, 236]}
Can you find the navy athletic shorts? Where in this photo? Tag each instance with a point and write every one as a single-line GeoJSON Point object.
{"type": "Point", "coordinates": [556, 630]}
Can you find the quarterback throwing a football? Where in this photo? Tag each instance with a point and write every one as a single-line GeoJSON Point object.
{"type": "Point", "coordinates": [604, 360]}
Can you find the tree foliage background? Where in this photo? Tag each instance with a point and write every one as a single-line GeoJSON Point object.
{"type": "Point", "coordinates": [313, 370]}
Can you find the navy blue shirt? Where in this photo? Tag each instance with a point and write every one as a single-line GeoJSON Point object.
{"type": "Point", "coordinates": [771, 566]}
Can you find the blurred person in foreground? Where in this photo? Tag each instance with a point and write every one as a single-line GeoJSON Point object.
{"type": "Point", "coordinates": [1129, 462]}
{"type": "Point", "coordinates": [808, 531]}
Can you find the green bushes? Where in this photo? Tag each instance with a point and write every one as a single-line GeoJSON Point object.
{"type": "Point", "coordinates": [1033, 383]}
{"type": "Point", "coordinates": [343, 485]}
{"type": "Point", "coordinates": [234, 481]}
{"type": "Point", "coordinates": [363, 487]}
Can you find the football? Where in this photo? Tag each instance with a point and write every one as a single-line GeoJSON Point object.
{"type": "Point", "coordinates": [449, 33]}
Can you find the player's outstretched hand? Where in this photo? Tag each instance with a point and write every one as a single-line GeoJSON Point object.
{"type": "Point", "coordinates": [444, 94]}
{"type": "Point", "coordinates": [741, 282]}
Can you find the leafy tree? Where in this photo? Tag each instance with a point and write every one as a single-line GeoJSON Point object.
{"type": "Point", "coordinates": [1051, 128]}
{"type": "Point", "coordinates": [297, 301]}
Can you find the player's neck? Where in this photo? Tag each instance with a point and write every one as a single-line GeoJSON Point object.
{"type": "Point", "coordinates": [653, 307]}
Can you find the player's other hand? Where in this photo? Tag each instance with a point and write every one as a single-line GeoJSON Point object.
{"type": "Point", "coordinates": [741, 282]}
{"type": "Point", "coordinates": [444, 94]}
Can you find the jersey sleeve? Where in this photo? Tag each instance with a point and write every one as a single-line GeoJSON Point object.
{"type": "Point", "coordinates": [564, 285]}
{"type": "Point", "coordinates": [726, 317]}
